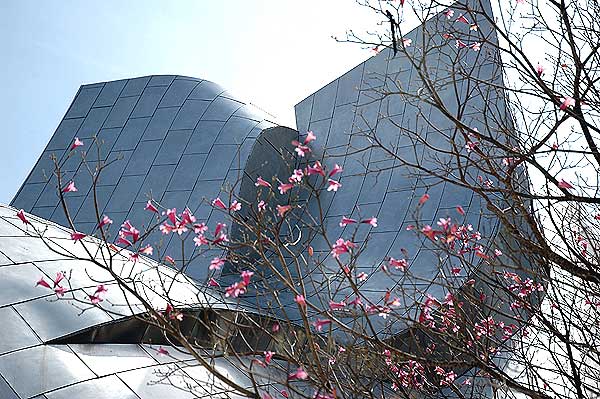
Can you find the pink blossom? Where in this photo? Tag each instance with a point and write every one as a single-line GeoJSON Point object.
{"type": "Point", "coordinates": [460, 210]}
{"type": "Point", "coordinates": [221, 238]}
{"type": "Point", "coordinates": [449, 13]}
{"type": "Point", "coordinates": [336, 169]}
{"type": "Point", "coordinates": [235, 206]}
{"type": "Point", "coordinates": [474, 27]}
{"type": "Point", "coordinates": [187, 217]}
{"type": "Point", "coordinates": [200, 240]}
{"type": "Point", "coordinates": [43, 283]}
{"type": "Point", "coordinates": [147, 250]}
{"type": "Point", "coordinates": [59, 277]}
{"type": "Point", "coordinates": [445, 223]}
{"type": "Point", "coordinates": [564, 184]}
{"type": "Point", "coordinates": [170, 260]}
{"type": "Point", "coordinates": [460, 44]}
{"type": "Point", "coordinates": [355, 302]}
{"type": "Point", "coordinates": [165, 228]}
{"type": "Point", "coordinates": [567, 102]}
{"type": "Point", "coordinates": [285, 187]}
{"type": "Point", "coordinates": [200, 228]}
{"type": "Point", "coordinates": [213, 283]}
{"type": "Point", "coordinates": [282, 210]}
{"type": "Point", "coordinates": [150, 207]}
{"type": "Point", "coordinates": [60, 291]}
{"type": "Point", "coordinates": [216, 263]}
{"type": "Point", "coordinates": [300, 374]}
{"type": "Point", "coordinates": [129, 231]}
{"type": "Point", "coordinates": [268, 356]}
{"type": "Point", "coordinates": [101, 289]}
{"type": "Point", "coordinates": [455, 271]}
{"type": "Point", "coordinates": [21, 215]}
{"type": "Point", "coordinates": [218, 228]}
{"type": "Point", "coordinates": [297, 176]}
{"type": "Point", "coordinates": [316, 169]}
{"type": "Point", "coordinates": [70, 187]}
{"type": "Point", "coordinates": [310, 136]}
{"type": "Point", "coordinates": [400, 264]}
{"type": "Point", "coordinates": [275, 327]}
{"type": "Point", "coordinates": [299, 299]}
{"type": "Point", "coordinates": [246, 275]}
{"type": "Point", "coordinates": [76, 143]}
{"type": "Point", "coordinates": [341, 246]}
{"type": "Point", "coordinates": [95, 299]}
{"type": "Point", "coordinates": [162, 351]}
{"type": "Point", "coordinates": [471, 145]}
{"type": "Point", "coordinates": [497, 252]}
{"type": "Point", "coordinates": [262, 206]}
{"type": "Point", "coordinates": [346, 221]}
{"type": "Point", "coordinates": [235, 290]}
{"type": "Point", "coordinates": [105, 221]}
{"type": "Point", "coordinates": [362, 276]}
{"type": "Point", "coordinates": [333, 185]}
{"type": "Point", "coordinates": [172, 215]}
{"type": "Point", "coordinates": [462, 18]}
{"type": "Point", "coordinates": [218, 203]}
{"type": "Point", "coordinates": [539, 69]}
{"type": "Point", "coordinates": [406, 42]}
{"type": "Point", "coordinates": [336, 305]}
{"type": "Point", "coordinates": [261, 182]}
{"type": "Point", "coordinates": [371, 221]}
{"type": "Point", "coordinates": [122, 240]}
{"type": "Point", "coordinates": [424, 198]}
{"type": "Point", "coordinates": [300, 149]}
{"type": "Point", "coordinates": [476, 46]}
{"type": "Point", "coordinates": [77, 236]}
{"type": "Point", "coordinates": [319, 324]}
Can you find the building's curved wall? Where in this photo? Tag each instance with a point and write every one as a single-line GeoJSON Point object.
{"type": "Point", "coordinates": [30, 316]}
{"type": "Point", "coordinates": [174, 138]}
{"type": "Point", "coordinates": [345, 112]}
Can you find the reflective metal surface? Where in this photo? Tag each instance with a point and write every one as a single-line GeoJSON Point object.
{"type": "Point", "coordinates": [183, 141]}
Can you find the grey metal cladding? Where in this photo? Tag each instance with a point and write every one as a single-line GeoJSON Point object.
{"type": "Point", "coordinates": [162, 137]}
{"type": "Point", "coordinates": [48, 367]}
{"type": "Point", "coordinates": [343, 113]}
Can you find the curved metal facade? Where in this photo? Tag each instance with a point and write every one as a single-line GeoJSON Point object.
{"type": "Point", "coordinates": [175, 139]}
{"type": "Point", "coordinates": [183, 141]}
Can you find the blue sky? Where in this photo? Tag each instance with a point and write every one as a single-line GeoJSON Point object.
{"type": "Point", "coordinates": [272, 53]}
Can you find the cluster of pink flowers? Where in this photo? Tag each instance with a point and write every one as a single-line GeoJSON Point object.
{"type": "Point", "coordinates": [447, 377]}
{"type": "Point", "coordinates": [410, 374]}
{"type": "Point", "coordinates": [446, 310]}
{"type": "Point", "coordinates": [128, 235]}
{"type": "Point", "coordinates": [523, 289]}
{"type": "Point", "coordinates": [298, 174]}
{"type": "Point", "coordinates": [341, 246]}
{"type": "Point", "coordinates": [458, 237]}
{"type": "Point", "coordinates": [97, 296]}
{"type": "Point", "coordinates": [346, 221]}
{"type": "Point", "coordinates": [181, 223]}
{"type": "Point", "coordinates": [476, 46]}
{"type": "Point", "coordinates": [239, 287]}
{"type": "Point", "coordinates": [173, 314]}
{"type": "Point", "coordinates": [56, 287]}
{"type": "Point", "coordinates": [178, 223]}
{"type": "Point", "coordinates": [233, 207]}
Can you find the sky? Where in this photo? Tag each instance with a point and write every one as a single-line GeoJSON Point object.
{"type": "Point", "coordinates": [272, 53]}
